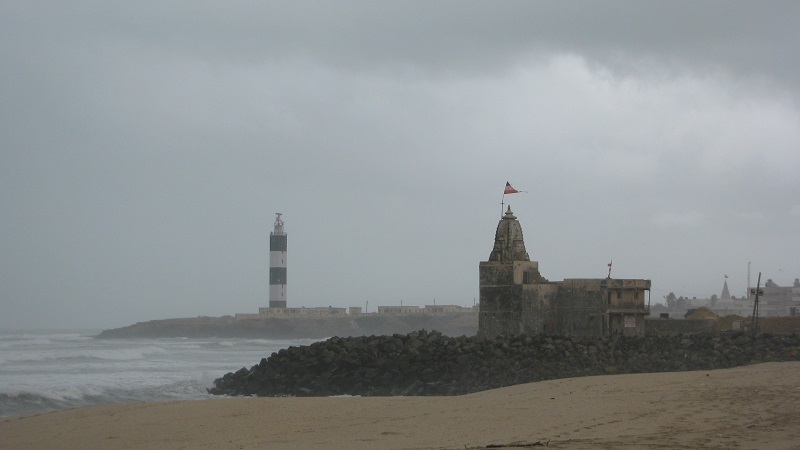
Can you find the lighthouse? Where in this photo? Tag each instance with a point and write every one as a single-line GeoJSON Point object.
{"type": "Point", "coordinates": [277, 265]}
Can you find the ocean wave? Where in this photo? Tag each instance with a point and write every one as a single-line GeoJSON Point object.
{"type": "Point", "coordinates": [281, 343]}
{"type": "Point", "coordinates": [47, 372]}
{"type": "Point", "coordinates": [57, 394]}
{"type": "Point", "coordinates": [24, 342]}
{"type": "Point", "coordinates": [82, 355]}
{"type": "Point", "coordinates": [23, 336]}
{"type": "Point", "coordinates": [23, 403]}
{"type": "Point", "coordinates": [35, 341]}
{"type": "Point", "coordinates": [123, 354]}
{"type": "Point", "coordinates": [26, 403]}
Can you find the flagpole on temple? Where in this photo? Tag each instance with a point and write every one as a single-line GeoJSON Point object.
{"type": "Point", "coordinates": [508, 190]}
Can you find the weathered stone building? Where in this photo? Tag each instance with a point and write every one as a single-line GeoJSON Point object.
{"type": "Point", "coordinates": [515, 298]}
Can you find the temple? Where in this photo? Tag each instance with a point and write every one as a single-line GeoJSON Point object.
{"type": "Point", "coordinates": [516, 299]}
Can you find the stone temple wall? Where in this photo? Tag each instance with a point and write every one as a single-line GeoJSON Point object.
{"type": "Point", "coordinates": [515, 298]}
{"type": "Point", "coordinates": [581, 307]}
{"type": "Point", "coordinates": [501, 309]}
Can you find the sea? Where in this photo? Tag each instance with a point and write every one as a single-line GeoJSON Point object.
{"type": "Point", "coordinates": [43, 371]}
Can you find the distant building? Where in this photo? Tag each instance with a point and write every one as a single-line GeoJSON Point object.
{"type": "Point", "coordinates": [399, 310]}
{"type": "Point", "coordinates": [446, 309]}
{"type": "Point", "coordinates": [427, 310]}
{"type": "Point", "coordinates": [773, 301]}
{"type": "Point", "coordinates": [301, 313]}
{"type": "Point", "coordinates": [515, 298]}
{"type": "Point", "coordinates": [727, 305]}
{"type": "Point", "coordinates": [779, 300]}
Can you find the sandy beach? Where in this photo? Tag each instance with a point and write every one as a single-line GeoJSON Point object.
{"type": "Point", "coordinates": [748, 407]}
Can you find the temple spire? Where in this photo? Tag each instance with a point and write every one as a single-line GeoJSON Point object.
{"type": "Point", "coordinates": [509, 244]}
{"type": "Point", "coordinates": [726, 294]}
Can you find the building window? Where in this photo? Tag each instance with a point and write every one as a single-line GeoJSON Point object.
{"type": "Point", "coordinates": [619, 294]}
{"type": "Point", "coordinates": [636, 295]}
{"type": "Point", "coordinates": [527, 277]}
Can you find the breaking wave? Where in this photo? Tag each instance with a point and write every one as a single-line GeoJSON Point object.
{"type": "Point", "coordinates": [28, 403]}
{"type": "Point", "coordinates": [52, 371]}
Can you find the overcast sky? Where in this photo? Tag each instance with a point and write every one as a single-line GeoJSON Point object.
{"type": "Point", "coordinates": [147, 145]}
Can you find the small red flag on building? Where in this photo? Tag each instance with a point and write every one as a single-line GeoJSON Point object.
{"type": "Point", "coordinates": [509, 189]}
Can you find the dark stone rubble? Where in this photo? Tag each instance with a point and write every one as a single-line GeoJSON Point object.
{"type": "Point", "coordinates": [429, 363]}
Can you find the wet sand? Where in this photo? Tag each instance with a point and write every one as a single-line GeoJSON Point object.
{"type": "Point", "coordinates": [747, 407]}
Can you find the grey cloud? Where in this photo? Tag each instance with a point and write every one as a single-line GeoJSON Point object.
{"type": "Point", "coordinates": [147, 146]}
{"type": "Point", "coordinates": [753, 37]}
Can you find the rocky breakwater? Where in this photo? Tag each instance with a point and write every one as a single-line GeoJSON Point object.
{"type": "Point", "coordinates": [429, 363]}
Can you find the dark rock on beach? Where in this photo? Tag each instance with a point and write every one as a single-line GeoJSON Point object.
{"type": "Point", "coordinates": [430, 363]}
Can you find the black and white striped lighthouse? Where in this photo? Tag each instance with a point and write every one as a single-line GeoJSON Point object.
{"type": "Point", "coordinates": [277, 265]}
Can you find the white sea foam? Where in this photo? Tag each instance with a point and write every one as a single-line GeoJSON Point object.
{"type": "Point", "coordinates": [281, 343]}
{"type": "Point", "coordinates": [60, 354]}
{"type": "Point", "coordinates": [66, 370]}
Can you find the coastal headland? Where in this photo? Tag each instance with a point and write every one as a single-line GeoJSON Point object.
{"type": "Point", "coordinates": [451, 324]}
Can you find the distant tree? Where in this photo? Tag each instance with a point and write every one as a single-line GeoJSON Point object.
{"type": "Point", "coordinates": [713, 299]}
{"type": "Point", "coordinates": [658, 308]}
{"type": "Point", "coordinates": [671, 300]}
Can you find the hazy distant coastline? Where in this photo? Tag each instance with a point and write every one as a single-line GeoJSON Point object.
{"type": "Point", "coordinates": [456, 324]}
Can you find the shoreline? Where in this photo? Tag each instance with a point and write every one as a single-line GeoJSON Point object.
{"type": "Point", "coordinates": [745, 407]}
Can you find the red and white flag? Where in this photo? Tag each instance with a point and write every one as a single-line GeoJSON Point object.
{"type": "Point", "coordinates": [509, 189]}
